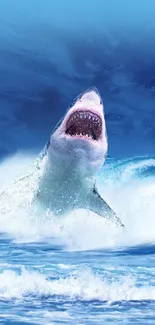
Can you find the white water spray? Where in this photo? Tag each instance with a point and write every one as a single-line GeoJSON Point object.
{"type": "Point", "coordinates": [126, 189]}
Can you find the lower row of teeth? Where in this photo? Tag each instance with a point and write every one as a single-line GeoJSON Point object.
{"type": "Point", "coordinates": [86, 135]}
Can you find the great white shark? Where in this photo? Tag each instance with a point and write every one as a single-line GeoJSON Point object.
{"type": "Point", "coordinates": [76, 151]}
{"type": "Point", "coordinates": [64, 175]}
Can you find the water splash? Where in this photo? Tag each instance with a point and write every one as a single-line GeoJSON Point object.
{"type": "Point", "coordinates": [127, 185]}
{"type": "Point", "coordinates": [79, 285]}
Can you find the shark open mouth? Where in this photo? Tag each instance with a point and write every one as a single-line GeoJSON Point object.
{"type": "Point", "coordinates": [84, 124]}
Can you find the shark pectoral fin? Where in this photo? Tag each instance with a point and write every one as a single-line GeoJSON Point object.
{"type": "Point", "coordinates": [99, 206]}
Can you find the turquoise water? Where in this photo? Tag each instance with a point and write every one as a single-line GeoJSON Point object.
{"type": "Point", "coordinates": [79, 269]}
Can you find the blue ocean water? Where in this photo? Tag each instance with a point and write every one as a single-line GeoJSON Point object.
{"type": "Point", "coordinates": [79, 269]}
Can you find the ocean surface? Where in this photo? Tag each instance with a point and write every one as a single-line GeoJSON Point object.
{"type": "Point", "coordinates": [79, 269]}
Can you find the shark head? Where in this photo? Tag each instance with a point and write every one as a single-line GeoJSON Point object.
{"type": "Point", "coordinates": [81, 136]}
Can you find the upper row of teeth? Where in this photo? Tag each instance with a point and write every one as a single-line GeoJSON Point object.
{"type": "Point", "coordinates": [86, 116]}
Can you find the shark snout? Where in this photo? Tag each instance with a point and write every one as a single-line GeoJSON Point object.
{"type": "Point", "coordinates": [92, 96]}
{"type": "Point", "coordinates": [89, 101]}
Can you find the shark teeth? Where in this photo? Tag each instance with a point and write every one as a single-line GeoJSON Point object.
{"type": "Point", "coordinates": [85, 116]}
{"type": "Point", "coordinates": [81, 135]}
{"type": "Point", "coordinates": [84, 124]}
